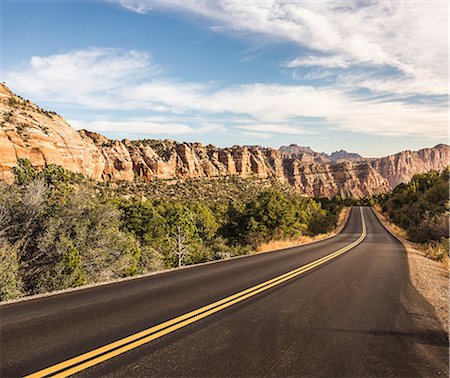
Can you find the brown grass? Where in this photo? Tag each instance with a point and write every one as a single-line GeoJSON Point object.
{"type": "Point", "coordinates": [437, 251]}
{"type": "Point", "coordinates": [286, 243]}
{"type": "Point", "coordinates": [273, 245]}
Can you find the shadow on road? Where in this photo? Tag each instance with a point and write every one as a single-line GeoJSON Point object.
{"type": "Point", "coordinates": [437, 338]}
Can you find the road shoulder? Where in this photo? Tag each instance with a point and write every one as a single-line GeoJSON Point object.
{"type": "Point", "coordinates": [429, 277]}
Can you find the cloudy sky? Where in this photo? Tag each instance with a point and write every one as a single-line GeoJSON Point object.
{"type": "Point", "coordinates": [366, 76]}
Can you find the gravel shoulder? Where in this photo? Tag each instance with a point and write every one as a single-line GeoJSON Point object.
{"type": "Point", "coordinates": [429, 277]}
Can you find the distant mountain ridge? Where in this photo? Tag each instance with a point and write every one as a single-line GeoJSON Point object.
{"type": "Point", "coordinates": [294, 149]}
{"type": "Point", "coordinates": [342, 155]}
{"type": "Point", "coordinates": [304, 154]}
{"type": "Point", "coordinates": [43, 137]}
{"type": "Point", "coordinates": [308, 155]}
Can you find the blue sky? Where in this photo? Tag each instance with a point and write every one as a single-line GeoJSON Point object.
{"type": "Point", "coordinates": [369, 76]}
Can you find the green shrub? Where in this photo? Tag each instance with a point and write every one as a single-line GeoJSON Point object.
{"type": "Point", "coordinates": [72, 267]}
{"type": "Point", "coordinates": [24, 172]}
{"type": "Point", "coordinates": [11, 285]}
{"type": "Point", "coordinates": [421, 206]}
{"type": "Point", "coordinates": [60, 230]}
{"type": "Point", "coordinates": [437, 250]}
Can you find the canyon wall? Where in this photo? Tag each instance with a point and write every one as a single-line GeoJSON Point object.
{"type": "Point", "coordinates": [43, 137]}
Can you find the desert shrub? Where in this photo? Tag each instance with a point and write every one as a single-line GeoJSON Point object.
{"type": "Point", "coordinates": [8, 117]}
{"type": "Point", "coordinates": [24, 172]}
{"type": "Point", "coordinates": [12, 102]}
{"type": "Point", "coordinates": [92, 228]}
{"type": "Point", "coordinates": [21, 209]}
{"type": "Point", "coordinates": [430, 228]}
{"type": "Point", "coordinates": [151, 260]}
{"type": "Point", "coordinates": [205, 221]}
{"type": "Point", "coordinates": [63, 235]}
{"type": "Point", "coordinates": [11, 285]}
{"type": "Point", "coordinates": [59, 230]}
{"type": "Point", "coordinates": [274, 215]}
{"type": "Point", "coordinates": [437, 249]}
{"type": "Point", "coordinates": [421, 206]}
{"type": "Point", "coordinates": [320, 223]}
{"type": "Point", "coordinates": [143, 219]}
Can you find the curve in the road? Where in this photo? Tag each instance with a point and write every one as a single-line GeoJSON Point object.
{"type": "Point", "coordinates": [106, 352]}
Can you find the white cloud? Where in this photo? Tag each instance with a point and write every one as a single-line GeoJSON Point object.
{"type": "Point", "coordinates": [273, 129]}
{"type": "Point", "coordinates": [133, 82]}
{"type": "Point", "coordinates": [141, 126]}
{"type": "Point", "coordinates": [411, 36]}
{"type": "Point", "coordinates": [137, 6]}
{"type": "Point", "coordinates": [147, 126]}
{"type": "Point", "coordinates": [78, 76]}
{"type": "Point", "coordinates": [422, 84]}
{"type": "Point", "coordinates": [322, 61]}
{"type": "Point", "coordinates": [258, 135]}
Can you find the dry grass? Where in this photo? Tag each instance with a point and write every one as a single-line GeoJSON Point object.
{"type": "Point", "coordinates": [286, 243]}
{"type": "Point", "coordinates": [437, 251]}
{"type": "Point", "coordinates": [398, 230]}
{"type": "Point", "coordinates": [273, 245]}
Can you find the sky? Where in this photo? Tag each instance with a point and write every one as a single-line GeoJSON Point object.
{"type": "Point", "coordinates": [365, 76]}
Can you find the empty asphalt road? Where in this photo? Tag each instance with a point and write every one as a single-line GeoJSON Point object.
{"type": "Point", "coordinates": [340, 307]}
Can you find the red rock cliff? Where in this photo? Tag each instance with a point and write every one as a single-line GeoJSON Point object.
{"type": "Point", "coordinates": [28, 131]}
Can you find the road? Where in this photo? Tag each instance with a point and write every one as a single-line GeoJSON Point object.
{"type": "Point", "coordinates": [343, 306]}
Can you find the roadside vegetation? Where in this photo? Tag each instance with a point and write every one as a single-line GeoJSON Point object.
{"type": "Point", "coordinates": [421, 208]}
{"type": "Point", "coordinates": [60, 230]}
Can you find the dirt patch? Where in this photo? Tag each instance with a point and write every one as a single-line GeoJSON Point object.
{"type": "Point", "coordinates": [429, 277]}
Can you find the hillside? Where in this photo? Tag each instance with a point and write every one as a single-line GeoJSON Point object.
{"type": "Point", "coordinates": [43, 137]}
{"type": "Point", "coordinates": [60, 230]}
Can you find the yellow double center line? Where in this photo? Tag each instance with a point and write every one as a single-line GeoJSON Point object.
{"type": "Point", "coordinates": [96, 356]}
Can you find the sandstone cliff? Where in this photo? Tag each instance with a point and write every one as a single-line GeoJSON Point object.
{"type": "Point", "coordinates": [28, 131]}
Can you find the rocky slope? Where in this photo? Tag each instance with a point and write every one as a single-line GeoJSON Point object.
{"type": "Point", "coordinates": [28, 131]}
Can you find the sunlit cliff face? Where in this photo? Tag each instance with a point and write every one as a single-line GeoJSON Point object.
{"type": "Point", "coordinates": [44, 138]}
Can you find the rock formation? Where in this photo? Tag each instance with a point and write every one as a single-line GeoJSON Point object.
{"type": "Point", "coordinates": [43, 137]}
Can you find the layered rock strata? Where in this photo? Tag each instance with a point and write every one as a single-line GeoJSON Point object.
{"type": "Point", "coordinates": [43, 137]}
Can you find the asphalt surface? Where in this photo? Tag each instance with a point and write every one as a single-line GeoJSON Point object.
{"type": "Point", "coordinates": [356, 315]}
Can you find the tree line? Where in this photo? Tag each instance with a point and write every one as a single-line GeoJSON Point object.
{"type": "Point", "coordinates": [421, 207]}
{"type": "Point", "coordinates": [60, 230]}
